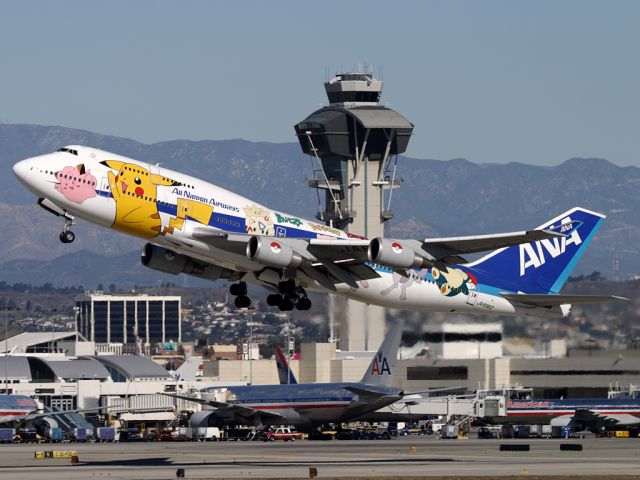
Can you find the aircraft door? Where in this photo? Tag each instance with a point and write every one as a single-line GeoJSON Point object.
{"type": "Point", "coordinates": [472, 298]}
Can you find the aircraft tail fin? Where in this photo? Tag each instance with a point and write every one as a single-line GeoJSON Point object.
{"type": "Point", "coordinates": [383, 366]}
{"type": "Point", "coordinates": [285, 374]}
{"type": "Point", "coordinates": [540, 267]}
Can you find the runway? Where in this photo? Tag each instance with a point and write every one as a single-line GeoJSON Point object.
{"type": "Point", "coordinates": [397, 458]}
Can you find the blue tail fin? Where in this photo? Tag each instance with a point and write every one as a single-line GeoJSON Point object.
{"type": "Point", "coordinates": [540, 267]}
{"type": "Point", "coordinates": [285, 374]}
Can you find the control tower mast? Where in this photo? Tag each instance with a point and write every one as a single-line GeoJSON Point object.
{"type": "Point", "coordinates": [355, 141]}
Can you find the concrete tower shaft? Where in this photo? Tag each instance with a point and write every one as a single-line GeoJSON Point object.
{"type": "Point", "coordinates": [354, 139]}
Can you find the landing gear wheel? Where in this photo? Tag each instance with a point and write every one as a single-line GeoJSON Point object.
{"type": "Point", "coordinates": [274, 300]}
{"type": "Point", "coordinates": [286, 305]}
{"type": "Point", "coordinates": [238, 289]}
{"type": "Point", "coordinates": [242, 301]}
{"type": "Point", "coordinates": [303, 304]}
{"type": "Point", "coordinates": [67, 236]}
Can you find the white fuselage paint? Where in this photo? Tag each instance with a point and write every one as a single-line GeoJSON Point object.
{"type": "Point", "coordinates": [229, 212]}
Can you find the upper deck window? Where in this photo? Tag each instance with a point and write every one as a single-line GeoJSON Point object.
{"type": "Point", "coordinates": [68, 150]}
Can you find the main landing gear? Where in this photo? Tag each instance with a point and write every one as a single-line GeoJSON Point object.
{"type": "Point", "coordinates": [239, 290]}
{"type": "Point", "coordinates": [290, 296]}
{"type": "Point", "coordinates": [67, 236]}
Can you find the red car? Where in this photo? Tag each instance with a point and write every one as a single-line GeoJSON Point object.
{"type": "Point", "coordinates": [280, 433]}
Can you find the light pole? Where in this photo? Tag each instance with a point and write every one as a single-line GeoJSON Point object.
{"type": "Point", "coordinates": [250, 324]}
{"type": "Point", "coordinates": [6, 347]}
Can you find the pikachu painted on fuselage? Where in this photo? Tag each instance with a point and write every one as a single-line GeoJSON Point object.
{"type": "Point", "coordinates": [134, 189]}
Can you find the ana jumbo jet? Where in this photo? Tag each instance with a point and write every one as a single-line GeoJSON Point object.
{"type": "Point", "coordinates": [199, 229]}
{"type": "Point", "coordinates": [306, 405]}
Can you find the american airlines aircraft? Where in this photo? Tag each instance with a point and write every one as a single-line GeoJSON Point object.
{"type": "Point", "coordinates": [306, 405]}
{"type": "Point", "coordinates": [593, 414]}
{"type": "Point", "coordinates": [200, 229]}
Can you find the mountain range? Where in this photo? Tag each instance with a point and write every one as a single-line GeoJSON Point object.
{"type": "Point", "coordinates": [437, 198]}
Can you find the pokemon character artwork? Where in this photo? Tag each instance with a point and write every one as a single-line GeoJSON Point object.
{"type": "Point", "coordinates": [453, 281]}
{"type": "Point", "coordinates": [134, 190]}
{"type": "Point", "coordinates": [258, 221]}
{"type": "Point", "coordinates": [76, 184]}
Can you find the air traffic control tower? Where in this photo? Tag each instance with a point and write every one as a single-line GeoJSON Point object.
{"type": "Point", "coordinates": [355, 141]}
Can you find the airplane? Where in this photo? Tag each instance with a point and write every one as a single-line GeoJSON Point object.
{"type": "Point", "coordinates": [200, 229]}
{"type": "Point", "coordinates": [306, 405]}
{"type": "Point", "coordinates": [285, 374]}
{"type": "Point", "coordinates": [594, 414]}
{"type": "Point", "coordinates": [17, 410]}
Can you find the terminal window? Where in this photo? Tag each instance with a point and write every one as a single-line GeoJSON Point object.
{"type": "Point", "coordinates": [437, 373]}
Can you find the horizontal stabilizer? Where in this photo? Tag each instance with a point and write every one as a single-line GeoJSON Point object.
{"type": "Point", "coordinates": [539, 300]}
{"type": "Point", "coordinates": [364, 392]}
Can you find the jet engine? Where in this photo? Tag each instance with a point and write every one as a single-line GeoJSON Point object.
{"type": "Point", "coordinates": [272, 252]}
{"type": "Point", "coordinates": [168, 261]}
{"type": "Point", "coordinates": [398, 253]}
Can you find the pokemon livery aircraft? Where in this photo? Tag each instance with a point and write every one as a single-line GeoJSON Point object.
{"type": "Point", "coordinates": [200, 229]}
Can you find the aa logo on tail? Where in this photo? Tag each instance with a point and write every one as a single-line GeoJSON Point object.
{"type": "Point", "coordinates": [380, 365]}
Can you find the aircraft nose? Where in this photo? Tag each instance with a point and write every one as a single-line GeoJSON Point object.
{"type": "Point", "coordinates": [20, 169]}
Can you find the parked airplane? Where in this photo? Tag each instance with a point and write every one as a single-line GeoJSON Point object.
{"type": "Point", "coordinates": [307, 405]}
{"type": "Point", "coordinates": [593, 414]}
{"type": "Point", "coordinates": [285, 375]}
{"type": "Point", "coordinates": [16, 410]}
{"type": "Point", "coordinates": [200, 229]}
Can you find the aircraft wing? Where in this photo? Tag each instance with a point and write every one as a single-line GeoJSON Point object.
{"type": "Point", "coordinates": [595, 420]}
{"type": "Point", "coordinates": [331, 261]}
{"type": "Point", "coordinates": [482, 243]}
{"type": "Point", "coordinates": [228, 409]}
{"type": "Point", "coordinates": [541, 300]}
{"type": "Point", "coordinates": [20, 419]}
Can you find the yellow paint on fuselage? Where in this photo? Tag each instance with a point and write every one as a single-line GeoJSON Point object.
{"type": "Point", "coordinates": [134, 190]}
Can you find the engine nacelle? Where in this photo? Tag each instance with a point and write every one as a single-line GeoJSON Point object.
{"type": "Point", "coordinates": [398, 254]}
{"type": "Point", "coordinates": [272, 252]}
{"type": "Point", "coordinates": [168, 261]}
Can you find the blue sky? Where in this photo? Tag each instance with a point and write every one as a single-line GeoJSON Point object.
{"type": "Point", "coordinates": [492, 81]}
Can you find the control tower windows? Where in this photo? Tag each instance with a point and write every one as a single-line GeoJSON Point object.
{"type": "Point", "coordinates": [353, 96]}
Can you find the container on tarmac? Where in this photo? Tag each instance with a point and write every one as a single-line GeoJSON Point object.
{"type": "Point", "coordinates": [80, 434]}
{"type": "Point", "coordinates": [54, 434]}
{"type": "Point", "coordinates": [7, 435]}
{"type": "Point", "coordinates": [450, 431]}
{"type": "Point", "coordinates": [106, 434]}
{"type": "Point", "coordinates": [547, 431]}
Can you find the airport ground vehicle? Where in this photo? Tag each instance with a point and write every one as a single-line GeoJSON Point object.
{"type": "Point", "coordinates": [281, 433]}
{"type": "Point", "coordinates": [204, 434]}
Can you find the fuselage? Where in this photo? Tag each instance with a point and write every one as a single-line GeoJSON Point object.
{"type": "Point", "coordinates": [164, 207]}
{"type": "Point", "coordinates": [16, 405]}
{"type": "Point", "coordinates": [622, 410]}
{"type": "Point", "coordinates": [305, 404]}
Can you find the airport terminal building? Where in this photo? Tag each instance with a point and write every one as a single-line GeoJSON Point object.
{"type": "Point", "coordinates": [128, 319]}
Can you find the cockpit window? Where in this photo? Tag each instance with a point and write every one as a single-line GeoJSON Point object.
{"type": "Point", "coordinates": [68, 150]}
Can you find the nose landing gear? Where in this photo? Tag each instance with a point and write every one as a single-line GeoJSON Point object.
{"type": "Point", "coordinates": [67, 236]}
